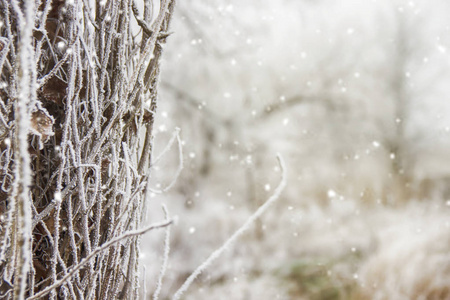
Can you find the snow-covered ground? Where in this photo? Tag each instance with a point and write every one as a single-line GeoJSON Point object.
{"type": "Point", "coordinates": [311, 251]}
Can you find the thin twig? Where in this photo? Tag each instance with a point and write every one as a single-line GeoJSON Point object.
{"type": "Point", "coordinates": [216, 254]}
{"type": "Point", "coordinates": [165, 257]}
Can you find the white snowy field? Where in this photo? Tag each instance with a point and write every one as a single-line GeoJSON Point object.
{"type": "Point", "coordinates": [355, 97]}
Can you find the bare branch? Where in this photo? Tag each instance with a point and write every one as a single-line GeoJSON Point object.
{"type": "Point", "coordinates": [216, 254]}
{"type": "Point", "coordinates": [165, 257]}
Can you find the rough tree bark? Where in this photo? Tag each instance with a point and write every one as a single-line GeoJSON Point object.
{"type": "Point", "coordinates": [78, 95]}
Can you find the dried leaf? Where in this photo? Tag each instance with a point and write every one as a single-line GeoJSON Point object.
{"type": "Point", "coordinates": [54, 90]}
{"type": "Point", "coordinates": [42, 124]}
{"type": "Point", "coordinates": [148, 115]}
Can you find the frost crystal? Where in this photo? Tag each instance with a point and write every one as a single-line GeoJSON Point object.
{"type": "Point", "coordinates": [57, 197]}
{"type": "Point", "coordinates": [61, 45]}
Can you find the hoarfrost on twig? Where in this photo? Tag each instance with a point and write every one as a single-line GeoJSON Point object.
{"type": "Point", "coordinates": [98, 250]}
{"type": "Point", "coordinates": [165, 258]}
{"type": "Point", "coordinates": [216, 254]}
{"type": "Point", "coordinates": [70, 65]}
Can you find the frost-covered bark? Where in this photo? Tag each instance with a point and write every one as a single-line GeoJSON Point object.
{"type": "Point", "coordinates": [25, 98]}
{"type": "Point", "coordinates": [78, 96]}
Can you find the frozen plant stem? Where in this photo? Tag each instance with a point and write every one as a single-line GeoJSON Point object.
{"type": "Point", "coordinates": [22, 179]}
{"type": "Point", "coordinates": [165, 258]}
{"type": "Point", "coordinates": [276, 194]}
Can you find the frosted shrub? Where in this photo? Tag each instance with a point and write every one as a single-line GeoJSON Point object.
{"type": "Point", "coordinates": [78, 92]}
{"type": "Point", "coordinates": [412, 260]}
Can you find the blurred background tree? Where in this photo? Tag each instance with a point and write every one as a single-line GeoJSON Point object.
{"type": "Point", "coordinates": [354, 94]}
{"type": "Point", "coordinates": [335, 90]}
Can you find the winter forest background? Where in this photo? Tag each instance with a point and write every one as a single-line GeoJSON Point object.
{"type": "Point", "coordinates": [355, 96]}
{"type": "Point", "coordinates": [114, 109]}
